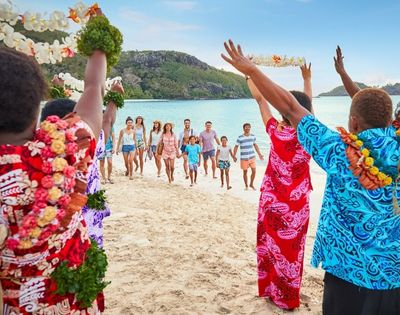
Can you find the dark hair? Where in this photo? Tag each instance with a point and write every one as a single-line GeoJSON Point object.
{"type": "Point", "coordinates": [59, 107]}
{"type": "Point", "coordinates": [246, 124]}
{"type": "Point", "coordinates": [224, 137]}
{"type": "Point", "coordinates": [129, 118]}
{"type": "Point", "coordinates": [397, 111]}
{"type": "Point", "coordinates": [140, 117]}
{"type": "Point", "coordinates": [187, 119]}
{"type": "Point", "coordinates": [165, 129]}
{"type": "Point", "coordinates": [374, 107]}
{"type": "Point", "coordinates": [192, 137]}
{"type": "Point", "coordinates": [22, 87]}
{"type": "Point", "coordinates": [159, 126]}
{"type": "Point", "coordinates": [303, 99]}
{"type": "Point", "coordinates": [208, 122]}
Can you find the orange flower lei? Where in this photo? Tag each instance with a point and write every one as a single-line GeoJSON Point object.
{"type": "Point", "coordinates": [362, 164]}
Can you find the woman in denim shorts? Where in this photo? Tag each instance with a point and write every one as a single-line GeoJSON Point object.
{"type": "Point", "coordinates": [127, 139]}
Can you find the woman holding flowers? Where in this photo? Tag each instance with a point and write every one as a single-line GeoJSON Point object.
{"type": "Point", "coordinates": [47, 262]}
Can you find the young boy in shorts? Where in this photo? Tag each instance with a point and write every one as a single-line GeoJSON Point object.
{"type": "Point", "coordinates": [193, 150]}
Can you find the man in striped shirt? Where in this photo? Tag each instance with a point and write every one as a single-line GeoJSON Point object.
{"type": "Point", "coordinates": [248, 149]}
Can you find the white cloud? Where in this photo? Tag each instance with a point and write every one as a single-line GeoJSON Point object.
{"type": "Point", "coordinates": [180, 5]}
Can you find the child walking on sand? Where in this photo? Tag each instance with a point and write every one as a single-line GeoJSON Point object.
{"type": "Point", "coordinates": [223, 153]}
{"type": "Point", "coordinates": [193, 151]}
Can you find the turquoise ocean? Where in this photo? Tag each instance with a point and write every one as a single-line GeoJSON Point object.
{"type": "Point", "coordinates": [227, 116]}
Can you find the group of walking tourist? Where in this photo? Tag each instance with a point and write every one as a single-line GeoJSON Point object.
{"type": "Point", "coordinates": [56, 160]}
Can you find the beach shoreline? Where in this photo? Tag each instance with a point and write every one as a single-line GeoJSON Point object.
{"type": "Point", "coordinates": [176, 249]}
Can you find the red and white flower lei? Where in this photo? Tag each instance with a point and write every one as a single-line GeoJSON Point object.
{"type": "Point", "coordinates": [56, 145]}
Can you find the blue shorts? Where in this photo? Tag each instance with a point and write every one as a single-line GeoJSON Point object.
{"type": "Point", "coordinates": [153, 148]}
{"type": "Point", "coordinates": [183, 147]}
{"type": "Point", "coordinates": [128, 148]}
{"type": "Point", "coordinates": [106, 154]}
{"type": "Point", "coordinates": [224, 165]}
{"type": "Point", "coordinates": [208, 154]}
{"type": "Point", "coordinates": [193, 167]}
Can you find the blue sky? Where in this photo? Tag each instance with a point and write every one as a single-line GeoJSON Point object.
{"type": "Point", "coordinates": [368, 32]}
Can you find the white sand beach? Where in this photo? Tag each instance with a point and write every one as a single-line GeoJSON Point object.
{"type": "Point", "coordinates": [173, 249]}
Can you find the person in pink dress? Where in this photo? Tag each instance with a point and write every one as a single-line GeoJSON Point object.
{"type": "Point", "coordinates": [284, 205]}
{"type": "Point", "coordinates": [170, 150]}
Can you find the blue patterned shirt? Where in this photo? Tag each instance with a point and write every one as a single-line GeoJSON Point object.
{"type": "Point", "coordinates": [358, 236]}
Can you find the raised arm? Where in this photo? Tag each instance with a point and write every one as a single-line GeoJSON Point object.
{"type": "Point", "coordinates": [111, 111]}
{"type": "Point", "coordinates": [90, 105]}
{"type": "Point", "coordinates": [262, 103]}
{"type": "Point", "coordinates": [306, 74]}
{"type": "Point", "coordinates": [351, 87]}
{"type": "Point", "coordinates": [277, 96]}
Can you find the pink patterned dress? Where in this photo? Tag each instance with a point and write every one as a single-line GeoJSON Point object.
{"type": "Point", "coordinates": [283, 217]}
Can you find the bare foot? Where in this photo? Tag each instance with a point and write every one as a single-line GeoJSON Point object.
{"type": "Point", "coordinates": [110, 181]}
{"type": "Point", "coordinates": [191, 185]}
{"type": "Point", "coordinates": [103, 181]}
{"type": "Point", "coordinates": [252, 187]}
{"type": "Point", "coordinates": [186, 176]}
{"type": "Point", "coordinates": [247, 188]}
{"type": "Point", "coordinates": [126, 173]}
{"type": "Point", "coordinates": [130, 178]}
{"type": "Point", "coordinates": [215, 177]}
{"type": "Point", "coordinates": [229, 187]}
{"type": "Point", "coordinates": [222, 185]}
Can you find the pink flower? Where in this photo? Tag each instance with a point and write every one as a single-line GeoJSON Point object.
{"type": "Point", "coordinates": [70, 135]}
{"type": "Point", "coordinates": [60, 214]}
{"type": "Point", "coordinates": [53, 119]}
{"type": "Point", "coordinates": [12, 243]}
{"type": "Point", "coordinates": [29, 222]}
{"type": "Point", "coordinates": [23, 233]}
{"type": "Point", "coordinates": [41, 204]}
{"type": "Point", "coordinates": [64, 201]}
{"type": "Point", "coordinates": [48, 153]}
{"type": "Point", "coordinates": [41, 194]}
{"type": "Point", "coordinates": [69, 171]}
{"type": "Point", "coordinates": [45, 234]}
{"type": "Point", "coordinates": [62, 124]}
{"type": "Point", "coordinates": [71, 148]}
{"type": "Point", "coordinates": [47, 167]}
{"type": "Point", "coordinates": [42, 135]}
{"type": "Point", "coordinates": [69, 183]}
{"type": "Point", "coordinates": [47, 181]}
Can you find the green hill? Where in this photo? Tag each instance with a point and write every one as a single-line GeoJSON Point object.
{"type": "Point", "coordinates": [165, 75]}
{"type": "Point", "coordinates": [156, 74]}
{"type": "Point", "coordinates": [392, 89]}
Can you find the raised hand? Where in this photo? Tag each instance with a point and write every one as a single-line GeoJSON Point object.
{"type": "Point", "coordinates": [339, 65]}
{"type": "Point", "coordinates": [237, 59]}
{"type": "Point", "coordinates": [57, 81]}
{"type": "Point", "coordinates": [117, 87]}
{"type": "Point", "coordinates": [306, 71]}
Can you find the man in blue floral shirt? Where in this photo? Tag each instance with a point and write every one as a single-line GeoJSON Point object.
{"type": "Point", "coordinates": [358, 236]}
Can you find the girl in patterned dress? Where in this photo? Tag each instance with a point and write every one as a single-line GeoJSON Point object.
{"type": "Point", "coordinates": [284, 206]}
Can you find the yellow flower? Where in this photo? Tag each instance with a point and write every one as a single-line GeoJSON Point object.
{"type": "Point", "coordinates": [42, 222]}
{"type": "Point", "coordinates": [374, 170]}
{"type": "Point", "coordinates": [59, 164]}
{"type": "Point", "coordinates": [49, 213]}
{"type": "Point", "coordinates": [54, 194]}
{"type": "Point", "coordinates": [57, 146]}
{"type": "Point", "coordinates": [35, 233]}
{"type": "Point", "coordinates": [48, 127]}
{"type": "Point", "coordinates": [381, 176]}
{"type": "Point", "coordinates": [353, 137]}
{"type": "Point", "coordinates": [388, 180]}
{"type": "Point", "coordinates": [365, 152]}
{"type": "Point", "coordinates": [358, 143]}
{"type": "Point", "coordinates": [398, 132]}
{"type": "Point", "coordinates": [369, 161]}
{"type": "Point", "coordinates": [57, 135]}
{"type": "Point", "coordinates": [58, 178]}
{"type": "Point", "coordinates": [25, 244]}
